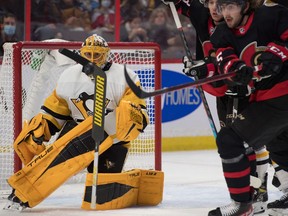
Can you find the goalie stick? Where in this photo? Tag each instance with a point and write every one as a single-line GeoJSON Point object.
{"type": "Point", "coordinates": [189, 55]}
{"type": "Point", "coordinates": [98, 110]}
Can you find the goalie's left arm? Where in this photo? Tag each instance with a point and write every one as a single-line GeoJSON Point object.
{"type": "Point", "coordinates": [131, 116]}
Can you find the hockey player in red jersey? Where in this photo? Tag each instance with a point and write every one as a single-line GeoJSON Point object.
{"type": "Point", "coordinates": [210, 18]}
{"type": "Point", "coordinates": [204, 28]}
{"type": "Point", "coordinates": [241, 43]}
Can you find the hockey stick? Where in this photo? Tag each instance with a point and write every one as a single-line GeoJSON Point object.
{"type": "Point", "coordinates": [98, 110]}
{"type": "Point", "coordinates": [189, 55]}
{"type": "Point", "coordinates": [144, 94]}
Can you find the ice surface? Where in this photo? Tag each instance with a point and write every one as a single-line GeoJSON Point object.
{"type": "Point", "coordinates": [193, 185]}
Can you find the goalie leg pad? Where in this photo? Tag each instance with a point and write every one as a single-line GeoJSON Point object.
{"type": "Point", "coordinates": [112, 160]}
{"type": "Point", "coordinates": [122, 190]}
{"type": "Point", "coordinates": [64, 158]}
{"type": "Point", "coordinates": [114, 190]}
{"type": "Point", "coordinates": [151, 187]}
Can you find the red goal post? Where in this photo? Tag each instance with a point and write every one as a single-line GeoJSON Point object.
{"type": "Point", "coordinates": [26, 80]}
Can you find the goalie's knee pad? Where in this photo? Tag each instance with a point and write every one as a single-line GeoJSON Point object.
{"type": "Point", "coordinates": [229, 143]}
{"type": "Point", "coordinates": [30, 141]}
{"type": "Point", "coordinates": [121, 190]}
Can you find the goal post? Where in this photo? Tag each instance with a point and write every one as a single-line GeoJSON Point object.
{"type": "Point", "coordinates": [27, 78]}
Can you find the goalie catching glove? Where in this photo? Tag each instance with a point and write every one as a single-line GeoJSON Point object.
{"type": "Point", "coordinates": [202, 69]}
{"type": "Point", "coordinates": [131, 120]}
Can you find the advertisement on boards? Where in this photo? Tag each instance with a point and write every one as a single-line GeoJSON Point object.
{"type": "Point", "coordinates": [185, 124]}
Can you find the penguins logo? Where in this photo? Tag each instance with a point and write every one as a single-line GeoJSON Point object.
{"type": "Point", "coordinates": [84, 101]}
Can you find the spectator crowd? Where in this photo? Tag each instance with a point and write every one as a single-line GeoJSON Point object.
{"type": "Point", "coordinates": [74, 20]}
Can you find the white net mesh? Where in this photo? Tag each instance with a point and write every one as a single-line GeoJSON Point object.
{"type": "Point", "coordinates": [39, 76]}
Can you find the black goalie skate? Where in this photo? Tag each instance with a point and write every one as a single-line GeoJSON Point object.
{"type": "Point", "coordinates": [14, 203]}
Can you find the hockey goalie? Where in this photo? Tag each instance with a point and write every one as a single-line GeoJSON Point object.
{"type": "Point", "coordinates": [70, 105]}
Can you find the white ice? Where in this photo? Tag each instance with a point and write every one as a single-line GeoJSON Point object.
{"type": "Point", "coordinates": [194, 184]}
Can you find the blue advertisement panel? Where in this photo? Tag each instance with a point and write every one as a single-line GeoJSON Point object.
{"type": "Point", "coordinates": [180, 103]}
{"type": "Point", "coordinates": [183, 114]}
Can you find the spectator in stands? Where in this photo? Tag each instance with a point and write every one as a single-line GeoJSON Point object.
{"type": "Point", "coordinates": [8, 30]}
{"type": "Point", "coordinates": [74, 24]}
{"type": "Point", "coordinates": [104, 20]}
{"type": "Point", "coordinates": [127, 6]}
{"type": "Point", "coordinates": [150, 5]}
{"type": "Point", "coordinates": [89, 5]}
{"type": "Point", "coordinates": [15, 7]}
{"type": "Point", "coordinates": [131, 30]}
{"type": "Point", "coordinates": [159, 29]}
{"type": "Point", "coordinates": [45, 12]}
{"type": "Point", "coordinates": [45, 17]}
{"type": "Point", "coordinates": [49, 31]}
{"type": "Point", "coordinates": [73, 16]}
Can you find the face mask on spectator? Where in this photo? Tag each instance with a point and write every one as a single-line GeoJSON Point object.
{"type": "Point", "coordinates": [9, 30]}
{"type": "Point", "coordinates": [106, 3]}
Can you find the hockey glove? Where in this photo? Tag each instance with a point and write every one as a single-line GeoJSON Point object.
{"type": "Point", "coordinates": [166, 2]}
{"type": "Point", "coordinates": [202, 69]}
{"type": "Point", "coordinates": [272, 60]}
{"type": "Point", "coordinates": [243, 75]}
{"type": "Point", "coordinates": [239, 91]}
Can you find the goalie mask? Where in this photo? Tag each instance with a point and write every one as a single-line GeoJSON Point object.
{"type": "Point", "coordinates": [96, 50]}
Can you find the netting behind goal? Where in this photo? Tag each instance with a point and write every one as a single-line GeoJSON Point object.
{"type": "Point", "coordinates": [27, 77]}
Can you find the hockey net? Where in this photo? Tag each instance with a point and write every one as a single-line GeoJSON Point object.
{"type": "Point", "coordinates": [27, 78]}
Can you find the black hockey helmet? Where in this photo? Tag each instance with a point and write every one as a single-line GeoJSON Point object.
{"type": "Point", "coordinates": [204, 2]}
{"type": "Point", "coordinates": [238, 2]}
{"type": "Point", "coordinates": [241, 3]}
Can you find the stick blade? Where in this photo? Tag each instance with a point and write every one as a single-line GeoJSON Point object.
{"type": "Point", "coordinates": [136, 89]}
{"type": "Point", "coordinates": [74, 56]}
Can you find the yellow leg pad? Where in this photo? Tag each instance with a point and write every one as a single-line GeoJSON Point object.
{"type": "Point", "coordinates": [121, 190]}
{"type": "Point", "coordinates": [57, 163]}
{"type": "Point", "coordinates": [114, 190]}
{"type": "Point", "coordinates": [151, 187]}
